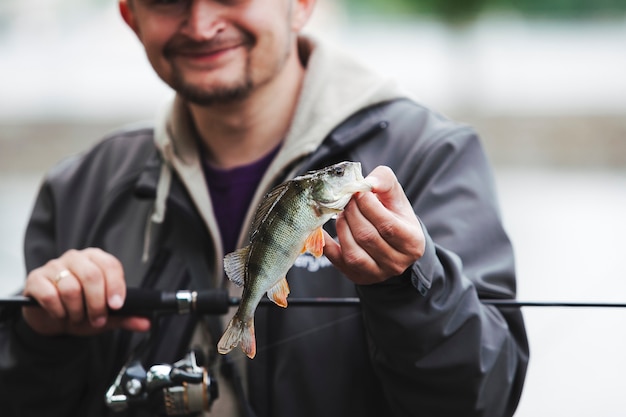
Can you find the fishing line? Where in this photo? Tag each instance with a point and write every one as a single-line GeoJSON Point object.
{"type": "Point", "coordinates": [355, 301]}
{"type": "Point", "coordinates": [310, 331]}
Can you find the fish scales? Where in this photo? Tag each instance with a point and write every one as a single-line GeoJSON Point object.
{"type": "Point", "coordinates": [273, 253]}
{"type": "Point", "coordinates": [288, 222]}
{"type": "Point", "coordinates": [276, 250]}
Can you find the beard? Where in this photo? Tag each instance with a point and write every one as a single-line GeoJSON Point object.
{"type": "Point", "coordinates": [236, 90]}
{"type": "Point", "coordinates": [205, 97]}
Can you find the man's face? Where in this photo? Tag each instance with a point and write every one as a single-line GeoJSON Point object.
{"type": "Point", "coordinates": [215, 51]}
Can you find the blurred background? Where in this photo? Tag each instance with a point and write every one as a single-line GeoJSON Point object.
{"type": "Point", "coordinates": [543, 81]}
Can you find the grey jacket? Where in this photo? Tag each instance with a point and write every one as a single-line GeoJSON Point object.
{"type": "Point", "coordinates": [420, 344]}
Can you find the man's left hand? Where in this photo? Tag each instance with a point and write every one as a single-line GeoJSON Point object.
{"type": "Point", "coordinates": [379, 234]}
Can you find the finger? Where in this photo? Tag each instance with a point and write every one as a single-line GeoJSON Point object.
{"type": "Point", "coordinates": [398, 231]}
{"type": "Point", "coordinates": [393, 214]}
{"type": "Point", "coordinates": [354, 255]}
{"type": "Point", "coordinates": [115, 283]}
{"type": "Point", "coordinates": [363, 232]}
{"type": "Point", "coordinates": [41, 288]}
{"type": "Point", "coordinates": [71, 294]}
{"type": "Point", "coordinates": [386, 186]}
{"type": "Point", "coordinates": [68, 289]}
{"type": "Point", "coordinates": [392, 241]}
{"type": "Point", "coordinates": [332, 250]}
{"type": "Point", "coordinates": [91, 286]}
{"type": "Point", "coordinates": [76, 286]}
{"type": "Point", "coordinates": [135, 324]}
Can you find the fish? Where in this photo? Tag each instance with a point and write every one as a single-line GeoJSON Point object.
{"type": "Point", "coordinates": [287, 223]}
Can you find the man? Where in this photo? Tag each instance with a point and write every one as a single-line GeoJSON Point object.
{"type": "Point", "coordinates": [256, 104]}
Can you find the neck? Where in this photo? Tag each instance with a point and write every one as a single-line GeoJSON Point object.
{"type": "Point", "coordinates": [239, 133]}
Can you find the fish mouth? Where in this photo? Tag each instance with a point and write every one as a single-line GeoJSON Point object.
{"type": "Point", "coordinates": [360, 186]}
{"type": "Point", "coordinates": [346, 192]}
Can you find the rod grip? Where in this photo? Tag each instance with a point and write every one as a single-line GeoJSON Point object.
{"type": "Point", "coordinates": [144, 302]}
{"type": "Point", "coordinates": [216, 301]}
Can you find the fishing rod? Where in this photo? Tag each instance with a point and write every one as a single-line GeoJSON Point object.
{"type": "Point", "coordinates": [218, 301]}
{"type": "Point", "coordinates": [188, 381]}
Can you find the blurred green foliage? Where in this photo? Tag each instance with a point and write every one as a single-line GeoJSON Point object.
{"type": "Point", "coordinates": [461, 11]}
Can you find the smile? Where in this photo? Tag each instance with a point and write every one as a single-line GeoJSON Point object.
{"type": "Point", "coordinates": [207, 55]}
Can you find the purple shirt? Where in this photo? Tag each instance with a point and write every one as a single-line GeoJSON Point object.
{"type": "Point", "coordinates": [231, 192]}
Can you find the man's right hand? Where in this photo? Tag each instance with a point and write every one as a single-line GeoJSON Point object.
{"type": "Point", "coordinates": [75, 293]}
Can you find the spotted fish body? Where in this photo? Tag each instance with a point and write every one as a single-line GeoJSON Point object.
{"type": "Point", "coordinates": [287, 223]}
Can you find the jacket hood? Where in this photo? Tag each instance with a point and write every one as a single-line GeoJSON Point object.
{"type": "Point", "coordinates": [334, 88]}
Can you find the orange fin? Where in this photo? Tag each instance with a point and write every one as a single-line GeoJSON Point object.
{"type": "Point", "coordinates": [315, 243]}
{"type": "Point", "coordinates": [279, 292]}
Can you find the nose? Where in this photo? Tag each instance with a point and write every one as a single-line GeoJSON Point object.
{"type": "Point", "coordinates": [204, 20]}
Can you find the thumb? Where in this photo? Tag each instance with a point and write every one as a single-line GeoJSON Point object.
{"type": "Point", "coordinates": [332, 249]}
{"type": "Point", "coordinates": [386, 186]}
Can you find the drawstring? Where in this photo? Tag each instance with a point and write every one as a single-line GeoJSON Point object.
{"type": "Point", "coordinates": [146, 240]}
{"type": "Point", "coordinates": [158, 212]}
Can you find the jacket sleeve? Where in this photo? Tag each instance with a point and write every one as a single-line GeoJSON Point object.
{"type": "Point", "coordinates": [40, 375]}
{"type": "Point", "coordinates": [437, 349]}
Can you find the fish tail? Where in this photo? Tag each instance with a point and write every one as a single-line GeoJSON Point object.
{"type": "Point", "coordinates": [238, 332]}
{"type": "Point", "coordinates": [248, 340]}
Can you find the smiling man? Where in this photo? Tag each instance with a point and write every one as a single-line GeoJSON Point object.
{"type": "Point", "coordinates": [158, 207]}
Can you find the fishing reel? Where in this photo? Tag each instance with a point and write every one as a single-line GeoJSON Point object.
{"type": "Point", "coordinates": [184, 388]}
{"type": "Point", "coordinates": [180, 389]}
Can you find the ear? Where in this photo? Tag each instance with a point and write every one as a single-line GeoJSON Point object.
{"type": "Point", "coordinates": [301, 13]}
{"type": "Point", "coordinates": [128, 15]}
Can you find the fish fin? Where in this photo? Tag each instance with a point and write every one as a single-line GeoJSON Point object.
{"type": "Point", "coordinates": [248, 340]}
{"type": "Point", "coordinates": [315, 243]}
{"type": "Point", "coordinates": [279, 292]}
{"type": "Point", "coordinates": [235, 265]}
{"type": "Point", "coordinates": [238, 332]}
{"type": "Point", "coordinates": [232, 336]}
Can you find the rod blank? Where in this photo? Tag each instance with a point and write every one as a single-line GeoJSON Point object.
{"type": "Point", "coordinates": [217, 301]}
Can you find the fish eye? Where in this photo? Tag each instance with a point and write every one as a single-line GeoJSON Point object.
{"type": "Point", "coordinates": [338, 171]}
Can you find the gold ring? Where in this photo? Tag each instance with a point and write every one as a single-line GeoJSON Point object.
{"type": "Point", "coordinates": [64, 273]}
